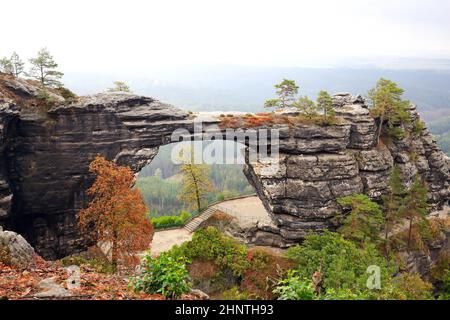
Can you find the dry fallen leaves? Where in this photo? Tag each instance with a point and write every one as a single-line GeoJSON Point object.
{"type": "Point", "coordinates": [23, 284]}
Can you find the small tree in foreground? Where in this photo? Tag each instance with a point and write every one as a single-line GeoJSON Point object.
{"type": "Point", "coordinates": [116, 214]}
{"type": "Point", "coordinates": [119, 86]}
{"type": "Point", "coordinates": [44, 69]}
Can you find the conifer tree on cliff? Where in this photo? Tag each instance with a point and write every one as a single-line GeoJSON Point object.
{"type": "Point", "coordinates": [17, 64]}
{"type": "Point", "coordinates": [393, 205]}
{"type": "Point", "coordinates": [44, 69]}
{"type": "Point", "coordinates": [286, 92]}
{"type": "Point", "coordinates": [116, 213]}
{"type": "Point", "coordinates": [325, 104]}
{"type": "Point", "coordinates": [119, 86]}
{"type": "Point", "coordinates": [306, 107]}
{"type": "Point", "coordinates": [6, 65]}
{"type": "Point", "coordinates": [388, 105]}
{"type": "Point", "coordinates": [416, 210]}
{"type": "Point", "coordinates": [13, 65]}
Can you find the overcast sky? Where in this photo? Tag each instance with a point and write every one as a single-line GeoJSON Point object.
{"type": "Point", "coordinates": [113, 35]}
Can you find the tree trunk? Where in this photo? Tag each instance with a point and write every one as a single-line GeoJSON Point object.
{"type": "Point", "coordinates": [114, 255]}
{"type": "Point", "coordinates": [197, 192]}
{"type": "Point", "coordinates": [386, 236]}
{"type": "Point", "coordinates": [380, 128]}
{"type": "Point", "coordinates": [410, 232]}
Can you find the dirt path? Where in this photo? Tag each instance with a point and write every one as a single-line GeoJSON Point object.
{"type": "Point", "coordinates": [246, 210]}
{"type": "Point", "coordinates": [166, 239]}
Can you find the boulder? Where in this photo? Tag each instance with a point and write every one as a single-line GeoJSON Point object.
{"type": "Point", "coordinates": [15, 250]}
{"type": "Point", "coordinates": [50, 289]}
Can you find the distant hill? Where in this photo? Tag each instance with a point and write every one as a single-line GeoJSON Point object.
{"type": "Point", "coordinates": [245, 88]}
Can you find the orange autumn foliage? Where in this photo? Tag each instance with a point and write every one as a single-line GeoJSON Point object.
{"type": "Point", "coordinates": [116, 213]}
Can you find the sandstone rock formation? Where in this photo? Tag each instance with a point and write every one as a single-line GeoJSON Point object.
{"type": "Point", "coordinates": [342, 161]}
{"type": "Point", "coordinates": [44, 159]}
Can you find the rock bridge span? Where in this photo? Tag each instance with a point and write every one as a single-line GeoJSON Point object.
{"type": "Point", "coordinates": [45, 158]}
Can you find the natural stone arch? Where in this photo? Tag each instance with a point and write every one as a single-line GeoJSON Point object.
{"type": "Point", "coordinates": [47, 155]}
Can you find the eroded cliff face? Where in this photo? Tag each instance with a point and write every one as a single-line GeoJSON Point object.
{"type": "Point", "coordinates": [45, 156]}
{"type": "Point", "coordinates": [8, 118]}
{"type": "Point", "coordinates": [319, 165]}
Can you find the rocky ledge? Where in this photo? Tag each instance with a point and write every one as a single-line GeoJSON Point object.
{"type": "Point", "coordinates": [45, 155]}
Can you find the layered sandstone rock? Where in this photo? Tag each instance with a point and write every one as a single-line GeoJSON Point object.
{"type": "Point", "coordinates": [302, 194]}
{"type": "Point", "coordinates": [44, 158]}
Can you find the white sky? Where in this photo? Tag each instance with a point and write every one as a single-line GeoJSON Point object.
{"type": "Point", "coordinates": [132, 35]}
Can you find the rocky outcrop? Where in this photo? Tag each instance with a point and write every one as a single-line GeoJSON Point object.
{"type": "Point", "coordinates": [45, 158]}
{"type": "Point", "coordinates": [341, 161]}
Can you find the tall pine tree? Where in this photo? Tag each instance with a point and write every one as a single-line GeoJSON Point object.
{"type": "Point", "coordinates": [416, 210]}
{"type": "Point", "coordinates": [393, 205]}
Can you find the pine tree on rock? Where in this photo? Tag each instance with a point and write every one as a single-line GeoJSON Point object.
{"type": "Point", "coordinates": [6, 65]}
{"type": "Point", "coordinates": [286, 92]}
{"type": "Point", "coordinates": [365, 220]}
{"type": "Point", "coordinates": [325, 104]}
{"type": "Point", "coordinates": [119, 86]}
{"type": "Point", "coordinates": [393, 205]}
{"type": "Point", "coordinates": [44, 69]}
{"type": "Point", "coordinates": [17, 65]}
{"type": "Point", "coordinates": [306, 107]}
{"type": "Point", "coordinates": [388, 105]}
{"type": "Point", "coordinates": [416, 210]}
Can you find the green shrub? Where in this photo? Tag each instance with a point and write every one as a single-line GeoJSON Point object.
{"type": "Point", "coordinates": [234, 294]}
{"type": "Point", "coordinates": [418, 127]}
{"type": "Point", "coordinates": [46, 99]}
{"type": "Point", "coordinates": [342, 294]}
{"type": "Point", "coordinates": [210, 245]}
{"type": "Point", "coordinates": [445, 288]}
{"type": "Point", "coordinates": [68, 95]}
{"type": "Point", "coordinates": [365, 220]}
{"type": "Point", "coordinates": [166, 275]}
{"type": "Point", "coordinates": [171, 221]}
{"type": "Point", "coordinates": [342, 263]}
{"type": "Point", "coordinates": [295, 287]}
